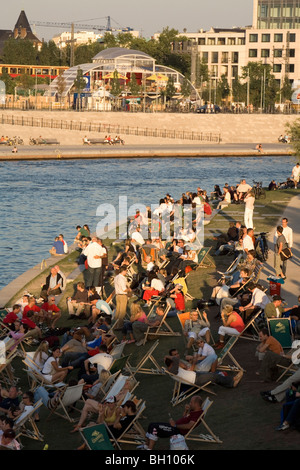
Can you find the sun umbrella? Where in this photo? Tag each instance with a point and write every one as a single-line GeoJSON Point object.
{"type": "Point", "coordinates": [158, 77]}
{"type": "Point", "coordinates": [111, 75]}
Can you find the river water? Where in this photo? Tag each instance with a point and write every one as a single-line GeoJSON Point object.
{"type": "Point", "coordinates": [39, 200]}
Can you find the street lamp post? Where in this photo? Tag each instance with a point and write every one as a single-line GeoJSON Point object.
{"type": "Point", "coordinates": [35, 90]}
{"type": "Point", "coordinates": [248, 91]}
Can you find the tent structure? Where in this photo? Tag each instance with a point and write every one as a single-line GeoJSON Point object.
{"type": "Point", "coordinates": [128, 63]}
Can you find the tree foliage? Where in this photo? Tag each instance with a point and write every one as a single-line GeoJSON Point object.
{"type": "Point", "coordinates": [286, 89]}
{"type": "Point", "coordinates": [115, 85]}
{"type": "Point", "coordinates": [263, 87]}
{"type": "Point", "coordinates": [19, 51]}
{"type": "Point", "coordinates": [134, 87]}
{"type": "Point", "coordinates": [293, 130]}
{"type": "Point", "coordinates": [79, 83]}
{"type": "Point", "coordinates": [10, 83]}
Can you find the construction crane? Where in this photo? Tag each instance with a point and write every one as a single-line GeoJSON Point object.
{"type": "Point", "coordinates": [107, 28]}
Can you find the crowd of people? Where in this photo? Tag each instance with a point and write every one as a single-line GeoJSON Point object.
{"type": "Point", "coordinates": [148, 276]}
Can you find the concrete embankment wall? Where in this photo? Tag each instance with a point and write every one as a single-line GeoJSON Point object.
{"type": "Point", "coordinates": [233, 128]}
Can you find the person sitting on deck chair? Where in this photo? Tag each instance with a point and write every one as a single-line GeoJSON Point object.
{"type": "Point", "coordinates": [191, 414]}
{"type": "Point", "coordinates": [195, 327]}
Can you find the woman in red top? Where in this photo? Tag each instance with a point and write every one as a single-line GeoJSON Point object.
{"type": "Point", "coordinates": [233, 324]}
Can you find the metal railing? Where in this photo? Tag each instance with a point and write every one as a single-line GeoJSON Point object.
{"type": "Point", "coordinates": [80, 126]}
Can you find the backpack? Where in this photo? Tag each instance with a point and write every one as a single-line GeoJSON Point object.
{"type": "Point", "coordinates": [177, 442]}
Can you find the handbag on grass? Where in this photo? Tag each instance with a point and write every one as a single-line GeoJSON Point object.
{"type": "Point", "coordinates": [286, 254]}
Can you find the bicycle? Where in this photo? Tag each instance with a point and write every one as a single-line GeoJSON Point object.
{"type": "Point", "coordinates": [261, 246]}
{"type": "Point", "coordinates": [258, 190]}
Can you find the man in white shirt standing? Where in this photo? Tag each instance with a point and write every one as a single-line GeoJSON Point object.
{"type": "Point", "coordinates": [121, 290]}
{"type": "Point", "coordinates": [248, 241]}
{"type": "Point", "coordinates": [249, 200]}
{"type": "Point", "coordinates": [94, 253]}
{"type": "Point", "coordinates": [296, 174]}
{"type": "Point", "coordinates": [287, 232]}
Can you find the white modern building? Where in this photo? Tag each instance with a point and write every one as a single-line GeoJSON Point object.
{"type": "Point", "coordinates": [80, 37]}
{"type": "Point", "coordinates": [273, 38]}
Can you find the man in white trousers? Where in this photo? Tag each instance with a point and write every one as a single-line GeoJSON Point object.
{"type": "Point", "coordinates": [249, 209]}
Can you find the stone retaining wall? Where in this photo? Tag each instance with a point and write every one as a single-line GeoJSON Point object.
{"type": "Point", "coordinates": [233, 128]}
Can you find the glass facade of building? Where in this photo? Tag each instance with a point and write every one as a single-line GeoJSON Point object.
{"type": "Point", "coordinates": [278, 14]}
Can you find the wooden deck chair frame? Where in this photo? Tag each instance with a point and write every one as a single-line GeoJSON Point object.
{"type": "Point", "coordinates": [226, 351]}
{"type": "Point", "coordinates": [140, 369]}
{"type": "Point", "coordinates": [118, 385]}
{"type": "Point", "coordinates": [134, 433]}
{"type": "Point", "coordinates": [31, 432]}
{"type": "Point", "coordinates": [65, 404]}
{"type": "Point", "coordinates": [110, 299]}
{"type": "Point", "coordinates": [6, 372]}
{"type": "Point", "coordinates": [153, 253]}
{"type": "Point", "coordinates": [292, 367]}
{"type": "Point", "coordinates": [158, 331]}
{"type": "Point", "coordinates": [120, 364]}
{"type": "Point", "coordinates": [163, 264]}
{"type": "Point", "coordinates": [195, 436]}
{"type": "Point", "coordinates": [104, 388]}
{"type": "Point", "coordinates": [186, 316]}
{"type": "Point", "coordinates": [96, 435]}
{"type": "Point", "coordinates": [180, 395]}
{"type": "Point", "coordinates": [233, 266]}
{"type": "Point", "coordinates": [202, 263]}
{"type": "Point", "coordinates": [36, 378]}
{"type": "Point", "coordinates": [251, 323]}
{"type": "Point", "coordinates": [4, 330]}
{"type": "Point", "coordinates": [117, 350]}
{"type": "Point", "coordinates": [18, 343]}
{"type": "Point", "coordinates": [287, 370]}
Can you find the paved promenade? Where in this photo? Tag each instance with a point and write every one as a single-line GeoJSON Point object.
{"type": "Point", "coordinates": [167, 150]}
{"type": "Point", "coordinates": [290, 290]}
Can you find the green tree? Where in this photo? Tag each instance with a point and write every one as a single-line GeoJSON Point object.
{"type": "Point", "coordinates": [134, 87]}
{"type": "Point", "coordinates": [19, 51]}
{"type": "Point", "coordinates": [186, 88]}
{"type": "Point", "coordinates": [261, 79]}
{"type": "Point", "coordinates": [286, 89]}
{"type": "Point", "coordinates": [202, 73]}
{"type": "Point", "coordinates": [49, 54]}
{"type": "Point", "coordinates": [115, 85]}
{"type": "Point", "coordinates": [79, 86]}
{"type": "Point", "coordinates": [10, 83]}
{"type": "Point", "coordinates": [223, 89]}
{"type": "Point", "coordinates": [26, 82]}
{"type": "Point", "coordinates": [293, 130]}
{"type": "Point", "coordinates": [170, 88]}
{"type": "Point", "coordinates": [239, 91]}
{"type": "Point", "coordinates": [61, 86]}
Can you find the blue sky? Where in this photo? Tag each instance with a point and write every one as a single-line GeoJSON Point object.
{"type": "Point", "coordinates": [146, 16]}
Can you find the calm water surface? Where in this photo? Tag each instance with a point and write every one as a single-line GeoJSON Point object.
{"type": "Point", "coordinates": [39, 200]}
